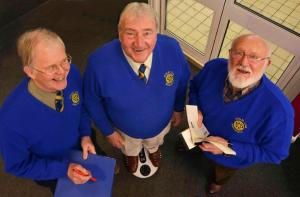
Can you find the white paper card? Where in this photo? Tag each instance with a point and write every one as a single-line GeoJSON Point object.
{"type": "Point", "coordinates": [198, 134]}
{"type": "Point", "coordinates": [194, 134]}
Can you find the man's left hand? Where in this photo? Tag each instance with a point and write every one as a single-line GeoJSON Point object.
{"type": "Point", "coordinates": [176, 118]}
{"type": "Point", "coordinates": [206, 146]}
{"type": "Point", "coordinates": [87, 147]}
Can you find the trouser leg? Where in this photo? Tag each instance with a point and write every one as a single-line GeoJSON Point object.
{"type": "Point", "coordinates": [51, 184]}
{"type": "Point", "coordinates": [223, 174]}
{"type": "Point", "coordinates": [152, 144]}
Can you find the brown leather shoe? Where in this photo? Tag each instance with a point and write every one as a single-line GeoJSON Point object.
{"type": "Point", "coordinates": [131, 163]}
{"type": "Point", "coordinates": [155, 158]}
{"type": "Point", "coordinates": [214, 188]}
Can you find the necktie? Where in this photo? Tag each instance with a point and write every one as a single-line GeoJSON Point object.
{"type": "Point", "coordinates": [59, 101]}
{"type": "Point", "coordinates": [142, 73]}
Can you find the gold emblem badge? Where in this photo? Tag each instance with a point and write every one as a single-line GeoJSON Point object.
{"type": "Point", "coordinates": [75, 98]}
{"type": "Point", "coordinates": [169, 78]}
{"type": "Point", "coordinates": [239, 125]}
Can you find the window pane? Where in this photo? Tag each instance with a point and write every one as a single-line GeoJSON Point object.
{"type": "Point", "coordinates": [280, 57]}
{"type": "Point", "coordinates": [286, 13]}
{"type": "Point", "coordinates": [190, 21]}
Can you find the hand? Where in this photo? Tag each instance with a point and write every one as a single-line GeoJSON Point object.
{"type": "Point", "coordinates": [116, 140]}
{"type": "Point", "coordinates": [176, 118]}
{"type": "Point", "coordinates": [200, 119]}
{"type": "Point", "coordinates": [77, 178]}
{"type": "Point", "coordinates": [206, 146]}
{"type": "Point", "coordinates": [87, 147]}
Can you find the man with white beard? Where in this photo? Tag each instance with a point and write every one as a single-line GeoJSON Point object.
{"type": "Point", "coordinates": [242, 109]}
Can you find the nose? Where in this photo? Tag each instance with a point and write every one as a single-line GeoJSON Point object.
{"type": "Point", "coordinates": [139, 40]}
{"type": "Point", "coordinates": [244, 60]}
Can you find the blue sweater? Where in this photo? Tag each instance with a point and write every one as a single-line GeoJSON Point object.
{"type": "Point", "coordinates": [33, 137]}
{"type": "Point", "coordinates": [116, 97]}
{"type": "Point", "coordinates": [259, 125]}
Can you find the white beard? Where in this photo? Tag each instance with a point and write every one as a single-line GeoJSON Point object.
{"type": "Point", "coordinates": [237, 79]}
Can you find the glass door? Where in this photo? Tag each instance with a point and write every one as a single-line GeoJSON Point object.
{"type": "Point", "coordinates": [193, 23]}
{"type": "Point", "coordinates": [205, 30]}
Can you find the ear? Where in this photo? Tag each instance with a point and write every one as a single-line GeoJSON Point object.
{"type": "Point", "coordinates": [28, 71]}
{"type": "Point", "coordinates": [120, 35]}
{"type": "Point", "coordinates": [269, 62]}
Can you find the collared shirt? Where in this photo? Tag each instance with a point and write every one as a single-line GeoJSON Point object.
{"type": "Point", "coordinates": [135, 66]}
{"type": "Point", "coordinates": [231, 94]}
{"type": "Point", "coordinates": [47, 98]}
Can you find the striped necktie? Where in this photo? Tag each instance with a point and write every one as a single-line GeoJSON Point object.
{"type": "Point", "coordinates": [59, 101]}
{"type": "Point", "coordinates": [142, 72]}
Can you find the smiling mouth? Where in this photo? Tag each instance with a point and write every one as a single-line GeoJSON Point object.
{"type": "Point", "coordinates": [139, 50]}
{"type": "Point", "coordinates": [243, 71]}
{"type": "Point", "coordinates": [59, 79]}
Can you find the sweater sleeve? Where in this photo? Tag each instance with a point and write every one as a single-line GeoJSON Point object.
{"type": "Point", "coordinates": [193, 91]}
{"type": "Point", "coordinates": [85, 122]}
{"type": "Point", "coordinates": [182, 86]}
{"type": "Point", "coordinates": [94, 102]}
{"type": "Point", "coordinates": [273, 148]}
{"type": "Point", "coordinates": [19, 161]}
{"type": "Point", "coordinates": [195, 86]}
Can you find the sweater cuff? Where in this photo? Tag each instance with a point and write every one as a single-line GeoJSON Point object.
{"type": "Point", "coordinates": [239, 148]}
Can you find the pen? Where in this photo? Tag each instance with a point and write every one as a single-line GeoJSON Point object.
{"type": "Point", "coordinates": [93, 179]}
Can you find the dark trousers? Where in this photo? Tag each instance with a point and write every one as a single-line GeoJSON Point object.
{"type": "Point", "coordinates": [51, 184]}
{"type": "Point", "coordinates": [222, 174]}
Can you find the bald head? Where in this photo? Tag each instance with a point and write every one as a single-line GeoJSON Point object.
{"type": "Point", "coordinates": [29, 40]}
{"type": "Point", "coordinates": [256, 40]}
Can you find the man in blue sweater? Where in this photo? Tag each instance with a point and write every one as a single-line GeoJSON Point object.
{"type": "Point", "coordinates": [135, 85]}
{"type": "Point", "coordinates": [43, 118]}
{"type": "Point", "coordinates": [242, 109]}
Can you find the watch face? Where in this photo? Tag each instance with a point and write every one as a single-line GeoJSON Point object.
{"type": "Point", "coordinates": [145, 167]}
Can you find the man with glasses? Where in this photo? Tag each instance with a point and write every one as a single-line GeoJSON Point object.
{"type": "Point", "coordinates": [242, 109]}
{"type": "Point", "coordinates": [44, 118]}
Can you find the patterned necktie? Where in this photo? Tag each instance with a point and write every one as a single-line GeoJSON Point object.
{"type": "Point", "coordinates": [59, 101]}
{"type": "Point", "coordinates": [142, 73]}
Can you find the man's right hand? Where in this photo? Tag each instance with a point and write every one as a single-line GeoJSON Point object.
{"type": "Point", "coordinates": [78, 174]}
{"type": "Point", "coordinates": [116, 140]}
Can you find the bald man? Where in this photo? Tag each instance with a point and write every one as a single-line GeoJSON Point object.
{"type": "Point", "coordinates": [242, 109]}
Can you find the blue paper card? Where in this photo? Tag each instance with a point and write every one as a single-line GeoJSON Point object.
{"type": "Point", "coordinates": [101, 167]}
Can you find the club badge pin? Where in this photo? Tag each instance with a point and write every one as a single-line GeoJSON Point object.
{"type": "Point", "coordinates": [75, 98]}
{"type": "Point", "coordinates": [239, 125]}
{"type": "Point", "coordinates": [169, 78]}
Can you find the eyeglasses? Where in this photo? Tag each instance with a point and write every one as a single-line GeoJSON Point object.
{"type": "Point", "coordinates": [240, 54]}
{"type": "Point", "coordinates": [50, 70]}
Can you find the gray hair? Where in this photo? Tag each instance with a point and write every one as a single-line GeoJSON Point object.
{"type": "Point", "coordinates": [30, 39]}
{"type": "Point", "coordinates": [137, 9]}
